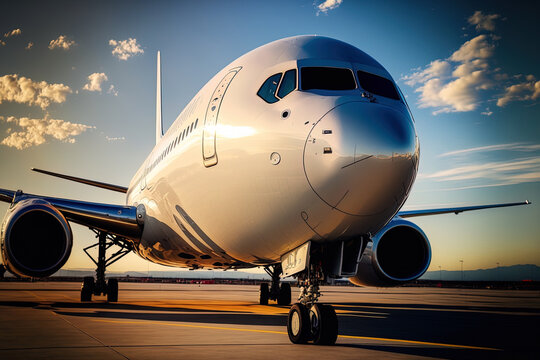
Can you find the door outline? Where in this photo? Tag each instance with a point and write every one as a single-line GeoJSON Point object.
{"type": "Point", "coordinates": [211, 117]}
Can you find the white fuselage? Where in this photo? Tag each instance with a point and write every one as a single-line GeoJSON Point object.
{"type": "Point", "coordinates": [251, 180]}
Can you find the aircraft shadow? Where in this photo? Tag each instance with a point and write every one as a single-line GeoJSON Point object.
{"type": "Point", "coordinates": [512, 331]}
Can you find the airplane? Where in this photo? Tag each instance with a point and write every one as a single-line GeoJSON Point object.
{"type": "Point", "coordinates": [296, 157]}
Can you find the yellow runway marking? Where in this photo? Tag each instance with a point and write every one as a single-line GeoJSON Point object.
{"type": "Point", "coordinates": [242, 307]}
{"type": "Point", "coordinates": [193, 326]}
{"type": "Point", "coordinates": [284, 333]}
{"type": "Point", "coordinates": [217, 305]}
{"type": "Point", "coordinates": [418, 342]}
{"type": "Point", "coordinates": [392, 307]}
{"type": "Point", "coordinates": [34, 295]}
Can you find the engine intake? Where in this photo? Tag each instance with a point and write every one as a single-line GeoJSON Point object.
{"type": "Point", "coordinates": [399, 252]}
{"type": "Point", "coordinates": [36, 239]}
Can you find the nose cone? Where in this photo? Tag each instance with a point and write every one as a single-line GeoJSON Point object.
{"type": "Point", "coordinates": [361, 158]}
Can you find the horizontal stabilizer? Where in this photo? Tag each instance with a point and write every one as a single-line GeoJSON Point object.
{"type": "Point", "coordinates": [457, 210]}
{"type": "Point", "coordinates": [99, 184]}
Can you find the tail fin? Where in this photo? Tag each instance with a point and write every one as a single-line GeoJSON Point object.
{"type": "Point", "coordinates": [159, 119]}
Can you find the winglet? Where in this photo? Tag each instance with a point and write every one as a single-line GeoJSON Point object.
{"type": "Point", "coordinates": [159, 119]}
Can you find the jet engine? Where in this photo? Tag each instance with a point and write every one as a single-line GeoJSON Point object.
{"type": "Point", "coordinates": [398, 253]}
{"type": "Point", "coordinates": [36, 239]}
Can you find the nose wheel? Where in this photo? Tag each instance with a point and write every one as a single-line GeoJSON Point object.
{"type": "Point", "coordinates": [309, 320]}
{"type": "Point", "coordinates": [318, 324]}
{"type": "Point", "coordinates": [324, 324]}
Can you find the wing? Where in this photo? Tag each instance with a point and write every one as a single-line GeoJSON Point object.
{"type": "Point", "coordinates": [99, 184]}
{"type": "Point", "coordinates": [457, 210]}
{"type": "Point", "coordinates": [125, 221]}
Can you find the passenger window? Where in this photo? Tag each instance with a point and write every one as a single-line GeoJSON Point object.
{"type": "Point", "coordinates": [268, 89]}
{"type": "Point", "coordinates": [327, 78]}
{"type": "Point", "coordinates": [377, 85]}
{"type": "Point", "coordinates": [196, 122]}
{"type": "Point", "coordinates": [288, 83]}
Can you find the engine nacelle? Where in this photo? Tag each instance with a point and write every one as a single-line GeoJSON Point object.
{"type": "Point", "coordinates": [399, 252]}
{"type": "Point", "coordinates": [36, 239]}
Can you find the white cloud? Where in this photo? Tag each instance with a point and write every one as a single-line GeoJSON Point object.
{"type": "Point", "coordinates": [124, 49]}
{"type": "Point", "coordinates": [328, 5]}
{"type": "Point", "coordinates": [494, 173]}
{"type": "Point", "coordinates": [476, 48]}
{"type": "Point", "coordinates": [111, 139]}
{"type": "Point", "coordinates": [435, 69]}
{"type": "Point", "coordinates": [13, 32]}
{"type": "Point", "coordinates": [112, 90]}
{"type": "Point", "coordinates": [460, 82]}
{"type": "Point", "coordinates": [483, 22]}
{"type": "Point", "coordinates": [94, 82]}
{"type": "Point", "coordinates": [29, 46]}
{"type": "Point", "coordinates": [62, 42]}
{"type": "Point", "coordinates": [497, 147]}
{"type": "Point", "coordinates": [36, 131]}
{"type": "Point", "coordinates": [529, 90]}
{"type": "Point", "coordinates": [454, 84]}
{"type": "Point", "coordinates": [487, 112]}
{"type": "Point", "coordinates": [26, 91]}
{"type": "Point", "coordinates": [497, 173]}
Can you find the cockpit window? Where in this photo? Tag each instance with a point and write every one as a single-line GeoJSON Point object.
{"type": "Point", "coordinates": [377, 85]}
{"type": "Point", "coordinates": [268, 89]}
{"type": "Point", "coordinates": [327, 78]}
{"type": "Point", "coordinates": [288, 83]}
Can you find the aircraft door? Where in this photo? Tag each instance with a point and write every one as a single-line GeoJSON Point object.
{"type": "Point", "coordinates": [211, 118]}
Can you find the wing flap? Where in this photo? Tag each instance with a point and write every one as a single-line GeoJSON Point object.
{"type": "Point", "coordinates": [456, 210]}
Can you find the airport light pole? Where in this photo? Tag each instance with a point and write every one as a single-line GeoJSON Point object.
{"type": "Point", "coordinates": [461, 261]}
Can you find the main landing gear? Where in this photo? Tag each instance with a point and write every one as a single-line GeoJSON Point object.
{"type": "Point", "coordinates": [280, 293]}
{"type": "Point", "coordinates": [99, 286]}
{"type": "Point", "coordinates": [308, 320]}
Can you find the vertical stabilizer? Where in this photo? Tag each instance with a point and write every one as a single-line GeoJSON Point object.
{"type": "Point", "coordinates": [159, 120]}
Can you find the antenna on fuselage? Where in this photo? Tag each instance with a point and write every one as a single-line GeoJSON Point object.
{"type": "Point", "coordinates": [159, 119]}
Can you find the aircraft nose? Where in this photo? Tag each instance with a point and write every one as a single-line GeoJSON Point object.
{"type": "Point", "coordinates": [361, 158]}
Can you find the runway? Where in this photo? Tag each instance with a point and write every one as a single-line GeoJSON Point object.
{"type": "Point", "coordinates": [46, 320]}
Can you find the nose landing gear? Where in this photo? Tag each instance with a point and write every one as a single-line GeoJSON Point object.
{"type": "Point", "coordinates": [308, 320]}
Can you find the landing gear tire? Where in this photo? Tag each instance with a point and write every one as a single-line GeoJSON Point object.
{"type": "Point", "coordinates": [112, 290]}
{"type": "Point", "coordinates": [324, 324]}
{"type": "Point", "coordinates": [284, 297]}
{"type": "Point", "coordinates": [298, 326]}
{"type": "Point", "coordinates": [264, 294]}
{"type": "Point", "coordinates": [87, 288]}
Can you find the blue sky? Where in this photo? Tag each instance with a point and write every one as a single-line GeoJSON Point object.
{"type": "Point", "coordinates": [77, 95]}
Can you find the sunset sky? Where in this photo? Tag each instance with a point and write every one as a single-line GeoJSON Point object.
{"type": "Point", "coordinates": [77, 96]}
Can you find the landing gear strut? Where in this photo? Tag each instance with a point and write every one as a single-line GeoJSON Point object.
{"type": "Point", "coordinates": [308, 320]}
{"type": "Point", "coordinates": [99, 286]}
{"type": "Point", "coordinates": [280, 293]}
